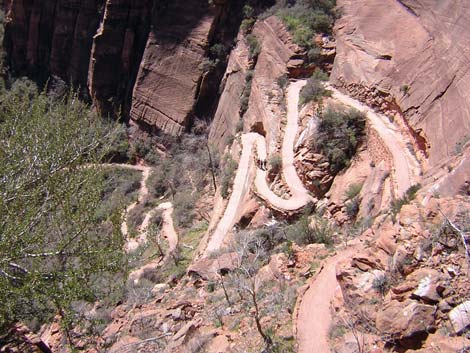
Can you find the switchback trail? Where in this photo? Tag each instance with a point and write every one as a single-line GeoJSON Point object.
{"type": "Point", "coordinates": [169, 233]}
{"type": "Point", "coordinates": [244, 176]}
{"type": "Point", "coordinates": [406, 169]}
{"type": "Point", "coordinates": [313, 318]}
{"type": "Point", "coordinates": [168, 229]}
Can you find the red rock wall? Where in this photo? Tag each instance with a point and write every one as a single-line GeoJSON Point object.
{"type": "Point", "coordinates": [170, 73]}
{"type": "Point", "coordinates": [116, 53]}
{"type": "Point", "coordinates": [52, 37]}
{"type": "Point", "coordinates": [389, 44]}
{"type": "Point", "coordinates": [137, 57]}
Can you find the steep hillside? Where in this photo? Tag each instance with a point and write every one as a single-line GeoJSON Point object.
{"type": "Point", "coordinates": [292, 175]}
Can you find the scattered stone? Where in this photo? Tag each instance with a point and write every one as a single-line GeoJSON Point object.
{"type": "Point", "coordinates": [444, 306]}
{"type": "Point", "coordinates": [160, 288]}
{"type": "Point", "coordinates": [460, 317]}
{"type": "Point", "coordinates": [429, 285]}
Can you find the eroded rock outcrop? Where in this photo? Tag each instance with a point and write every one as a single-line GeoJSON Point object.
{"type": "Point", "coordinates": [141, 58]}
{"type": "Point", "coordinates": [417, 68]}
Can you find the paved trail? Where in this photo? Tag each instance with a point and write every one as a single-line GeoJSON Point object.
{"type": "Point", "coordinates": [314, 315]}
{"type": "Point", "coordinates": [243, 179]}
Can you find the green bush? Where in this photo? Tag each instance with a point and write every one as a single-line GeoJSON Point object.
{"type": "Point", "coordinates": [275, 162]}
{"type": "Point", "coordinates": [302, 233]}
{"type": "Point", "coordinates": [353, 191]}
{"type": "Point", "coordinates": [320, 75]}
{"type": "Point", "coordinates": [254, 48]}
{"type": "Point", "coordinates": [339, 133]}
{"type": "Point", "coordinates": [184, 210]}
{"type": "Point", "coordinates": [245, 98]}
{"type": "Point", "coordinates": [282, 81]}
{"type": "Point", "coordinates": [352, 207]}
{"type": "Point", "coordinates": [459, 146]}
{"type": "Point", "coordinates": [247, 25]}
{"type": "Point", "coordinates": [229, 167]}
{"type": "Point", "coordinates": [313, 91]}
{"type": "Point", "coordinates": [409, 196]}
{"type": "Point", "coordinates": [306, 18]}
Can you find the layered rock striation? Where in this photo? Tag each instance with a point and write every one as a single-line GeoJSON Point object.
{"type": "Point", "coordinates": [141, 59]}
{"type": "Point", "coordinates": [418, 69]}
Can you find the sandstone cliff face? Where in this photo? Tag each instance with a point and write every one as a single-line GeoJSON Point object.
{"type": "Point", "coordinates": [116, 53]}
{"type": "Point", "coordinates": [140, 58]}
{"type": "Point", "coordinates": [170, 73]}
{"type": "Point", "coordinates": [264, 108]}
{"type": "Point", "coordinates": [233, 83]}
{"type": "Point", "coordinates": [264, 111]}
{"type": "Point", "coordinates": [52, 37]}
{"type": "Point", "coordinates": [418, 68]}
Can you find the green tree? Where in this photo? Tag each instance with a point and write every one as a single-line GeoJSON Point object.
{"type": "Point", "coordinates": [54, 250]}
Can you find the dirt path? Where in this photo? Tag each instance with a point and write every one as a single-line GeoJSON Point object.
{"type": "Point", "coordinates": [168, 230]}
{"type": "Point", "coordinates": [406, 169]}
{"type": "Point", "coordinates": [133, 244]}
{"type": "Point", "coordinates": [313, 313]}
{"type": "Point", "coordinates": [246, 167]}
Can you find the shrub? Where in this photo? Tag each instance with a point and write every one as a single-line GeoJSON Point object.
{"type": "Point", "coordinates": [409, 196]}
{"type": "Point", "coordinates": [245, 98]}
{"type": "Point", "coordinates": [320, 75]}
{"type": "Point", "coordinates": [352, 207]}
{"type": "Point", "coordinates": [208, 65]}
{"type": "Point", "coordinates": [314, 54]}
{"type": "Point", "coordinates": [229, 166]}
{"type": "Point", "coordinates": [306, 18]}
{"type": "Point", "coordinates": [302, 233]}
{"type": "Point", "coordinates": [247, 25]}
{"type": "Point", "coordinates": [339, 133]}
{"type": "Point", "coordinates": [282, 81]}
{"type": "Point", "coordinates": [405, 89]}
{"type": "Point", "coordinates": [254, 47]}
{"type": "Point", "coordinates": [275, 161]}
{"type": "Point", "coordinates": [381, 284]}
{"type": "Point", "coordinates": [353, 191]}
{"type": "Point", "coordinates": [312, 91]}
{"type": "Point", "coordinates": [218, 51]}
{"type": "Point", "coordinates": [184, 211]}
{"type": "Point", "coordinates": [459, 146]}
{"type": "Point", "coordinates": [239, 126]}
{"type": "Point", "coordinates": [248, 11]}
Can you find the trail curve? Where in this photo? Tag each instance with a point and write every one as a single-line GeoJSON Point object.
{"type": "Point", "coordinates": [406, 168]}
{"type": "Point", "coordinates": [246, 167]}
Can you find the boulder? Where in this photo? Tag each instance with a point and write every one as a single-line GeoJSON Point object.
{"type": "Point", "coordinates": [210, 268]}
{"type": "Point", "coordinates": [423, 284]}
{"type": "Point", "coordinates": [408, 319]}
